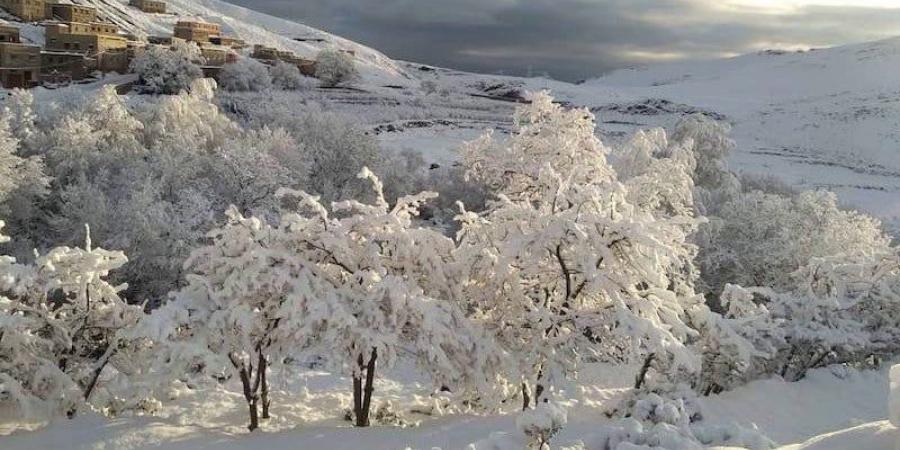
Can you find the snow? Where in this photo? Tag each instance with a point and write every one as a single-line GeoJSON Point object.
{"type": "Point", "coordinates": [895, 396]}
{"type": "Point", "coordinates": [822, 119]}
{"type": "Point", "coordinates": [794, 414]}
{"type": "Point", "coordinates": [870, 436]}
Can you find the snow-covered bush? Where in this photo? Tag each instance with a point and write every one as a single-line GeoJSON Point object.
{"type": "Point", "coordinates": [288, 77]}
{"type": "Point", "coordinates": [762, 239]}
{"type": "Point", "coordinates": [390, 291]}
{"type": "Point", "coordinates": [238, 290]}
{"type": "Point", "coordinates": [246, 74]}
{"type": "Point", "coordinates": [336, 68]}
{"type": "Point", "coordinates": [361, 288]}
{"type": "Point", "coordinates": [562, 265]}
{"type": "Point", "coordinates": [670, 417]}
{"type": "Point", "coordinates": [332, 151]}
{"type": "Point", "coordinates": [151, 178]}
{"type": "Point", "coordinates": [429, 87]}
{"type": "Point", "coordinates": [710, 144]}
{"type": "Point", "coordinates": [22, 179]}
{"type": "Point", "coordinates": [164, 70]}
{"type": "Point", "coordinates": [542, 424]}
{"type": "Point", "coordinates": [61, 328]}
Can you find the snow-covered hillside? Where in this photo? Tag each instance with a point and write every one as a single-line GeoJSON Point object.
{"type": "Point", "coordinates": [825, 118]}
{"type": "Point", "coordinates": [251, 26]}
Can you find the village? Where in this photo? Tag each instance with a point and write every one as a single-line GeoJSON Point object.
{"type": "Point", "coordinates": [79, 44]}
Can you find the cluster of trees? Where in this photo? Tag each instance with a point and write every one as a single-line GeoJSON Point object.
{"type": "Point", "coordinates": [170, 70]}
{"type": "Point", "coordinates": [652, 252]}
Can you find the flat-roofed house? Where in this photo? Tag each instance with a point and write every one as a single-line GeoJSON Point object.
{"type": "Point", "coordinates": [67, 12]}
{"type": "Point", "coordinates": [9, 34]}
{"type": "Point", "coordinates": [59, 66]}
{"type": "Point", "coordinates": [20, 65]}
{"type": "Point", "coordinates": [234, 43]}
{"type": "Point", "coordinates": [196, 31]}
{"type": "Point", "coordinates": [149, 6]}
{"type": "Point", "coordinates": [27, 10]}
{"type": "Point", "coordinates": [96, 40]}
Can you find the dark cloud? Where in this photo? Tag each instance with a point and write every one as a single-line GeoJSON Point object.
{"type": "Point", "coordinates": [575, 39]}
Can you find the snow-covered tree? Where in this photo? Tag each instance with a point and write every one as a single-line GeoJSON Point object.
{"type": "Point", "coordinates": [241, 292]}
{"type": "Point", "coordinates": [562, 264]}
{"type": "Point", "coordinates": [60, 327]}
{"type": "Point", "coordinates": [18, 175]}
{"type": "Point", "coordinates": [336, 68]}
{"type": "Point", "coordinates": [248, 170]}
{"type": "Point", "coordinates": [710, 144]}
{"type": "Point", "coordinates": [333, 151]}
{"type": "Point", "coordinates": [165, 70]}
{"type": "Point", "coordinates": [246, 74]}
{"type": "Point", "coordinates": [288, 77]}
{"type": "Point", "coordinates": [390, 288]}
{"type": "Point", "coordinates": [762, 239]}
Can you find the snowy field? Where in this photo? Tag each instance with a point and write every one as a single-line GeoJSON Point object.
{"type": "Point", "coordinates": [833, 409]}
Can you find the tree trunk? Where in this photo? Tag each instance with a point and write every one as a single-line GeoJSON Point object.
{"type": "Point", "coordinates": [95, 378]}
{"type": "Point", "coordinates": [357, 390]}
{"type": "Point", "coordinates": [642, 374]}
{"type": "Point", "coordinates": [250, 396]}
{"type": "Point", "coordinates": [369, 388]}
{"type": "Point", "coordinates": [526, 398]}
{"type": "Point", "coordinates": [264, 385]}
{"type": "Point", "coordinates": [362, 393]}
{"type": "Point", "coordinates": [787, 362]}
{"type": "Point", "coordinates": [539, 386]}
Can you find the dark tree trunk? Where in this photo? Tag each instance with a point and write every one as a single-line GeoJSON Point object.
{"type": "Point", "coordinates": [264, 385]}
{"type": "Point", "coordinates": [788, 361]}
{"type": "Point", "coordinates": [250, 396]}
{"type": "Point", "coordinates": [362, 392]}
{"type": "Point", "coordinates": [95, 378]}
{"type": "Point", "coordinates": [357, 390]}
{"type": "Point", "coordinates": [642, 374]}
{"type": "Point", "coordinates": [526, 398]}
{"type": "Point", "coordinates": [250, 386]}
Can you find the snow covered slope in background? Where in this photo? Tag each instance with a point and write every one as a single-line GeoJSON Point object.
{"type": "Point", "coordinates": [826, 118]}
{"type": "Point", "coordinates": [237, 21]}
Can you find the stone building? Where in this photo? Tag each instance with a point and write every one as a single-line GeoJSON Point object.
{"type": "Point", "coordinates": [20, 65]}
{"type": "Point", "coordinates": [197, 31]}
{"type": "Point", "coordinates": [149, 6]}
{"type": "Point", "coordinates": [96, 40]}
{"type": "Point", "coordinates": [234, 43]}
{"type": "Point", "coordinates": [9, 34]}
{"type": "Point", "coordinates": [27, 10]}
{"type": "Point", "coordinates": [60, 66]}
{"type": "Point", "coordinates": [67, 12]}
{"type": "Point", "coordinates": [271, 55]}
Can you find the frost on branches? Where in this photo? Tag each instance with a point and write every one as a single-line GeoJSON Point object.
{"type": "Point", "coordinates": [360, 289]}
{"type": "Point", "coordinates": [391, 285]}
{"type": "Point", "coordinates": [336, 68]}
{"type": "Point", "coordinates": [164, 70]}
{"type": "Point", "coordinates": [247, 74]}
{"type": "Point", "coordinates": [563, 265]}
{"type": "Point", "coordinates": [61, 326]}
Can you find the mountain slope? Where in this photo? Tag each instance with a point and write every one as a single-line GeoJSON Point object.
{"type": "Point", "coordinates": [827, 118]}
{"type": "Point", "coordinates": [252, 26]}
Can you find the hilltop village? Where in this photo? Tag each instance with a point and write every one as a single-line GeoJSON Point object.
{"type": "Point", "coordinates": [79, 44]}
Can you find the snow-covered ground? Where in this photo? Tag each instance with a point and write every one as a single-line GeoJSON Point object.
{"type": "Point", "coordinates": [833, 409]}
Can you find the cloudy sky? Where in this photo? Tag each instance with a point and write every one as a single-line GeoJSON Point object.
{"type": "Point", "coordinates": [575, 39]}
